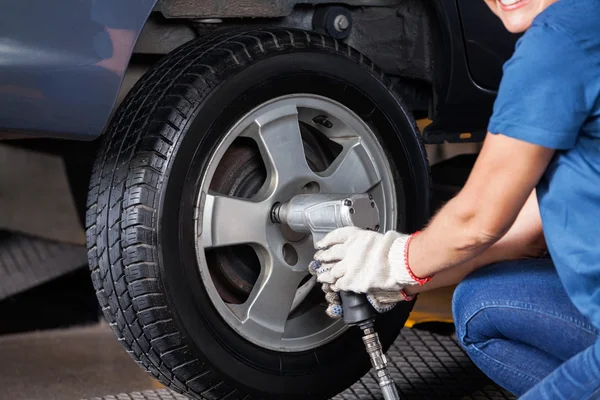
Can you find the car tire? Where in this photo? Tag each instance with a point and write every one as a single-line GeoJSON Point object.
{"type": "Point", "coordinates": [145, 198]}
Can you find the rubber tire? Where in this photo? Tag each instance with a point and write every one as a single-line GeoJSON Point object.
{"type": "Point", "coordinates": [141, 206]}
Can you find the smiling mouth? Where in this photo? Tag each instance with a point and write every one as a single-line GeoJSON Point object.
{"type": "Point", "coordinates": [509, 5]}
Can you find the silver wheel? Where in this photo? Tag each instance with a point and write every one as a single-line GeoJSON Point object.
{"type": "Point", "coordinates": [255, 272]}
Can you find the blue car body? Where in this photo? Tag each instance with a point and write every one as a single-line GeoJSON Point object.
{"type": "Point", "coordinates": [62, 63]}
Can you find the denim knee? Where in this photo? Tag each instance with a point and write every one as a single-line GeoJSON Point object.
{"type": "Point", "coordinates": [464, 305]}
{"type": "Point", "coordinates": [505, 284]}
{"type": "Point", "coordinates": [471, 298]}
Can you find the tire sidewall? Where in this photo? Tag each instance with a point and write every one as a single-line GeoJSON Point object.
{"type": "Point", "coordinates": [334, 366]}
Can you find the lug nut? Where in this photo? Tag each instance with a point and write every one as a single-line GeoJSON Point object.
{"type": "Point", "coordinates": [275, 217]}
{"type": "Point", "coordinates": [341, 23]}
{"type": "Point", "coordinates": [348, 203]}
{"type": "Point", "coordinates": [370, 196]}
{"type": "Point", "coordinates": [352, 211]}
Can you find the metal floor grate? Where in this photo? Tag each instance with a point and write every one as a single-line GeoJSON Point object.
{"type": "Point", "coordinates": [424, 366]}
{"type": "Point", "coordinates": [26, 262]}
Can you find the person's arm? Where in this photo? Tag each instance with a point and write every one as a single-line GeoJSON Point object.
{"type": "Point", "coordinates": [502, 179]}
{"type": "Point", "coordinates": [524, 239]}
{"type": "Point", "coordinates": [539, 109]}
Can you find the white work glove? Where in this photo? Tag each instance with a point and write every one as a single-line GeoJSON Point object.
{"type": "Point", "coordinates": [382, 301]}
{"type": "Point", "coordinates": [362, 261]}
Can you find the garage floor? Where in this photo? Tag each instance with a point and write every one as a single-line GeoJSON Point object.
{"type": "Point", "coordinates": [67, 364]}
{"type": "Point", "coordinates": [88, 363]}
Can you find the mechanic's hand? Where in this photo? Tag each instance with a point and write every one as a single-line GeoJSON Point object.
{"type": "Point", "coordinates": [334, 303]}
{"type": "Point", "coordinates": [384, 300]}
{"type": "Point", "coordinates": [361, 261]}
{"type": "Point", "coordinates": [381, 301]}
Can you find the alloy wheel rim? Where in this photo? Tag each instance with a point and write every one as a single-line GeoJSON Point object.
{"type": "Point", "coordinates": [283, 310]}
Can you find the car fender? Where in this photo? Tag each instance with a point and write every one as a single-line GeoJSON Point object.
{"type": "Point", "coordinates": [62, 63]}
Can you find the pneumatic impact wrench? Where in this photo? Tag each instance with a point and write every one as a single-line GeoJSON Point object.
{"type": "Point", "coordinates": [320, 214]}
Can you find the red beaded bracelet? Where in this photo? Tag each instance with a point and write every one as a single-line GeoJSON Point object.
{"type": "Point", "coordinates": [420, 281]}
{"type": "Point", "coordinates": [405, 296]}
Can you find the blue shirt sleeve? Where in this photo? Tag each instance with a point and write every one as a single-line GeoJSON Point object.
{"type": "Point", "coordinates": [543, 98]}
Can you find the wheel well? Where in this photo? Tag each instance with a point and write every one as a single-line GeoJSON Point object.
{"type": "Point", "coordinates": [401, 37]}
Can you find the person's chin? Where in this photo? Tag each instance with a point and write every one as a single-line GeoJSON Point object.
{"type": "Point", "coordinates": [516, 25]}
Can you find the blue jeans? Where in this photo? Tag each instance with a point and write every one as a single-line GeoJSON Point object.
{"type": "Point", "coordinates": [517, 324]}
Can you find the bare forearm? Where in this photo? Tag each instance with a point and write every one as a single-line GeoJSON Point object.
{"type": "Point", "coordinates": [503, 250]}
{"type": "Point", "coordinates": [453, 276]}
{"type": "Point", "coordinates": [525, 238]}
{"type": "Point", "coordinates": [505, 174]}
{"type": "Point", "coordinates": [457, 240]}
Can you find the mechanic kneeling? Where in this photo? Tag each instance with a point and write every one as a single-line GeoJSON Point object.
{"type": "Point", "coordinates": [530, 322]}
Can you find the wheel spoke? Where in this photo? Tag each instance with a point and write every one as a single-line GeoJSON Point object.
{"type": "Point", "coordinates": [306, 252]}
{"type": "Point", "coordinates": [277, 134]}
{"type": "Point", "coordinates": [271, 299]}
{"type": "Point", "coordinates": [351, 172]}
{"type": "Point", "coordinates": [303, 292]}
{"type": "Point", "coordinates": [229, 221]}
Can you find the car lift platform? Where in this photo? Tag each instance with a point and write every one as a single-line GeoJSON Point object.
{"type": "Point", "coordinates": [424, 365]}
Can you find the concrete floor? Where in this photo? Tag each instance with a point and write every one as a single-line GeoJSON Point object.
{"type": "Point", "coordinates": [71, 364]}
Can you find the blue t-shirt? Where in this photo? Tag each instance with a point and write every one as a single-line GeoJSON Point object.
{"type": "Point", "coordinates": [550, 96]}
